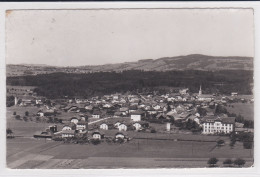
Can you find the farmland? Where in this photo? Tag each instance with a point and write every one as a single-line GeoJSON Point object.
{"type": "Point", "coordinates": [31, 153]}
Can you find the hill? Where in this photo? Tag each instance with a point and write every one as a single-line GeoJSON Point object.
{"type": "Point", "coordinates": [188, 62]}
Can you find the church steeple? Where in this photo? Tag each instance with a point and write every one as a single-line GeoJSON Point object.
{"type": "Point", "coordinates": [200, 91]}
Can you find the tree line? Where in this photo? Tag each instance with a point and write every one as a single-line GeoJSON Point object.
{"type": "Point", "coordinates": [58, 85]}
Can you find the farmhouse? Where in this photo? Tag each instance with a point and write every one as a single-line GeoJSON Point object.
{"type": "Point", "coordinates": [212, 125]}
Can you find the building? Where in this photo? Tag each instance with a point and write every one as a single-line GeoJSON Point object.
{"type": "Point", "coordinates": [122, 127]}
{"type": "Point", "coordinates": [97, 135]}
{"type": "Point", "coordinates": [137, 115]}
{"type": "Point", "coordinates": [234, 94]}
{"type": "Point", "coordinates": [213, 125]}
{"type": "Point", "coordinates": [67, 133]}
{"type": "Point", "coordinates": [81, 126]}
{"type": "Point", "coordinates": [103, 126]}
{"type": "Point", "coordinates": [137, 125]}
{"type": "Point", "coordinates": [74, 120]}
{"type": "Point", "coordinates": [96, 114]}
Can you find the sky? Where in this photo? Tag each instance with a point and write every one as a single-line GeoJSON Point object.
{"type": "Point", "coordinates": [94, 37]}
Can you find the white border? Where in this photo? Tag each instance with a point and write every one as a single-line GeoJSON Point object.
{"type": "Point", "coordinates": [255, 171]}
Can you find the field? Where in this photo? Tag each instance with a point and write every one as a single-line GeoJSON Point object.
{"type": "Point", "coordinates": [244, 109]}
{"type": "Point", "coordinates": [31, 153]}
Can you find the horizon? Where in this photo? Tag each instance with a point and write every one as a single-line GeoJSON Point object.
{"type": "Point", "coordinates": [41, 64]}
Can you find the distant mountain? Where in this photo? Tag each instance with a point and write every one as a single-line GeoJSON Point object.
{"type": "Point", "coordinates": [188, 62]}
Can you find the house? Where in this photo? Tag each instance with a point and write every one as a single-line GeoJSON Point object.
{"type": "Point", "coordinates": [67, 133]}
{"type": "Point", "coordinates": [183, 91]}
{"type": "Point", "coordinates": [161, 116]}
{"type": "Point", "coordinates": [213, 125]}
{"type": "Point", "coordinates": [74, 120]}
{"type": "Point", "coordinates": [89, 107]}
{"type": "Point", "coordinates": [124, 110]}
{"type": "Point", "coordinates": [234, 94]}
{"type": "Point", "coordinates": [140, 125]}
{"type": "Point", "coordinates": [156, 107]}
{"type": "Point", "coordinates": [117, 124]}
{"type": "Point", "coordinates": [38, 101]}
{"type": "Point", "coordinates": [122, 127]}
{"type": "Point", "coordinates": [137, 125]}
{"type": "Point", "coordinates": [70, 126]}
{"type": "Point", "coordinates": [137, 115]}
{"type": "Point", "coordinates": [96, 114]}
{"type": "Point", "coordinates": [121, 135]}
{"type": "Point", "coordinates": [118, 114]}
{"type": "Point", "coordinates": [81, 126]}
{"type": "Point", "coordinates": [40, 113]}
{"type": "Point", "coordinates": [103, 126]}
{"type": "Point", "coordinates": [107, 105]}
{"type": "Point", "coordinates": [97, 135]}
{"type": "Point", "coordinates": [132, 108]}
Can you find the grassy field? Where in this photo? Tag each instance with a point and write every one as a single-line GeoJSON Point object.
{"type": "Point", "coordinates": [32, 153]}
{"type": "Point", "coordinates": [244, 109]}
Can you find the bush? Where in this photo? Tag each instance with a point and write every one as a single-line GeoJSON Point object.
{"type": "Point", "coordinates": [239, 162]}
{"type": "Point", "coordinates": [228, 162]}
{"type": "Point", "coordinates": [120, 140]}
{"type": "Point", "coordinates": [95, 141]}
{"type": "Point", "coordinates": [212, 161]}
{"type": "Point", "coordinates": [57, 139]}
{"type": "Point", "coordinates": [26, 113]}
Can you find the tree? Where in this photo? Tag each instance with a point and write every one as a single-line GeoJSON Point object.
{"type": "Point", "coordinates": [239, 118]}
{"type": "Point", "coordinates": [25, 118]}
{"type": "Point", "coordinates": [212, 161]}
{"type": "Point", "coordinates": [202, 111]}
{"type": "Point", "coordinates": [220, 109]}
{"type": "Point", "coordinates": [228, 162]}
{"type": "Point", "coordinates": [239, 162]}
{"type": "Point", "coordinates": [26, 113]}
{"type": "Point", "coordinates": [9, 131]}
{"type": "Point", "coordinates": [18, 117]}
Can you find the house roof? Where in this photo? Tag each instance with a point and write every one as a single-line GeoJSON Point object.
{"type": "Point", "coordinates": [68, 131]}
{"type": "Point", "coordinates": [137, 112]}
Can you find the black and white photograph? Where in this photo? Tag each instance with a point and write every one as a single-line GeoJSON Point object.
{"type": "Point", "coordinates": [129, 88]}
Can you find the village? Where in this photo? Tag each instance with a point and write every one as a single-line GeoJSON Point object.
{"type": "Point", "coordinates": [120, 117]}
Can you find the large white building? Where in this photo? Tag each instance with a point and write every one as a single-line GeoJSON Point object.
{"type": "Point", "coordinates": [214, 125]}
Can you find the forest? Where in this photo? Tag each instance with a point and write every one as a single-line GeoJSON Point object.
{"type": "Point", "coordinates": [58, 85]}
